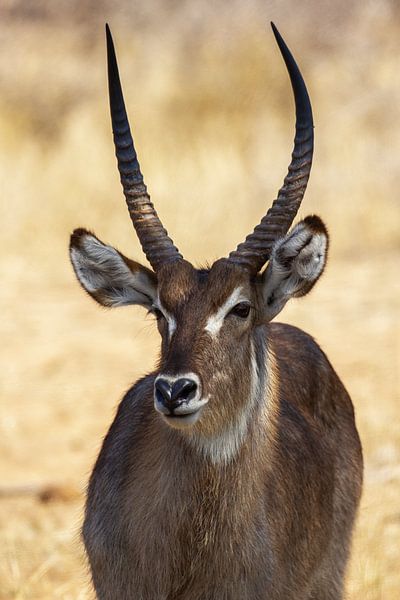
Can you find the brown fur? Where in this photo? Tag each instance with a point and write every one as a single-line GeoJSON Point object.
{"type": "Point", "coordinates": [165, 522]}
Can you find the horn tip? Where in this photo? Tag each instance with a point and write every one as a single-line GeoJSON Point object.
{"type": "Point", "coordinates": [108, 35]}
{"type": "Point", "coordinates": [278, 37]}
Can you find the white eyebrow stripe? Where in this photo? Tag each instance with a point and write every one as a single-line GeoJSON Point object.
{"type": "Point", "coordinates": [169, 318]}
{"type": "Point", "coordinates": [214, 322]}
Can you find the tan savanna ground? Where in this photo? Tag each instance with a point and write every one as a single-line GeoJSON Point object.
{"type": "Point", "coordinates": [213, 120]}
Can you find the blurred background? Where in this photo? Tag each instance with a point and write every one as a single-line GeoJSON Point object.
{"type": "Point", "coordinates": [212, 114]}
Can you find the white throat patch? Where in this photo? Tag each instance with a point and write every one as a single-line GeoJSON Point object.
{"type": "Point", "coordinates": [215, 321]}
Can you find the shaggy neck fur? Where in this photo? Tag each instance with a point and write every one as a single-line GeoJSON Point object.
{"type": "Point", "coordinates": [224, 446]}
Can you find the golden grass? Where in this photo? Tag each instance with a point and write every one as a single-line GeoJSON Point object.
{"type": "Point", "coordinates": [213, 123]}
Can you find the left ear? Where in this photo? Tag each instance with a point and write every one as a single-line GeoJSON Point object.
{"type": "Point", "coordinates": [108, 276]}
{"type": "Point", "coordinates": [296, 263]}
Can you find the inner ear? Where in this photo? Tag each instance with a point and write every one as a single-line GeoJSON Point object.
{"type": "Point", "coordinates": [108, 276]}
{"type": "Point", "coordinates": [297, 261]}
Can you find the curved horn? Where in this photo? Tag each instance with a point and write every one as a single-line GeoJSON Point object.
{"type": "Point", "coordinates": [256, 249]}
{"type": "Point", "coordinates": [156, 244]}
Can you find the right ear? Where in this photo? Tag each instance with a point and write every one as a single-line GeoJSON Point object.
{"type": "Point", "coordinates": [108, 276]}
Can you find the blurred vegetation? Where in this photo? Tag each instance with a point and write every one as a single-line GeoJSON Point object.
{"type": "Point", "coordinates": [212, 114]}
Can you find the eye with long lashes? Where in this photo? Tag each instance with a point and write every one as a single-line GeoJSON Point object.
{"type": "Point", "coordinates": [241, 310]}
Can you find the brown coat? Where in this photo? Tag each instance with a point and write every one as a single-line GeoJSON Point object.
{"type": "Point", "coordinates": [163, 522]}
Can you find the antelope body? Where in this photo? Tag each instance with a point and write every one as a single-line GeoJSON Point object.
{"type": "Point", "coordinates": [234, 470]}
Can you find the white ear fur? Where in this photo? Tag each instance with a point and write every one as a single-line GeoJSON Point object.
{"type": "Point", "coordinates": [296, 263]}
{"type": "Point", "coordinates": [108, 276]}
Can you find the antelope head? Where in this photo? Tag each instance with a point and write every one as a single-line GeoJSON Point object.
{"type": "Point", "coordinates": [209, 319]}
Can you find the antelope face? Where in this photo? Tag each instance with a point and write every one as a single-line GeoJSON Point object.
{"type": "Point", "coordinates": [207, 318]}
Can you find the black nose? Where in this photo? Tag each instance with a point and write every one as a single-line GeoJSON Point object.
{"type": "Point", "coordinates": [173, 393]}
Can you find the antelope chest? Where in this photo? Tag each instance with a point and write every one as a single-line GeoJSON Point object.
{"type": "Point", "coordinates": [182, 535]}
{"type": "Point", "coordinates": [194, 520]}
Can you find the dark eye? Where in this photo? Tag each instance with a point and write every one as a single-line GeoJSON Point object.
{"type": "Point", "coordinates": [241, 310]}
{"type": "Point", "coordinates": [157, 313]}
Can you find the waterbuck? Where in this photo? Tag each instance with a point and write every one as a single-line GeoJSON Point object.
{"type": "Point", "coordinates": [233, 471]}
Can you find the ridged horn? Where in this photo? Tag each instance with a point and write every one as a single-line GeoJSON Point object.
{"type": "Point", "coordinates": [256, 249]}
{"type": "Point", "coordinates": [157, 246]}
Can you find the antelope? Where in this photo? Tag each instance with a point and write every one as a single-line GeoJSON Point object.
{"type": "Point", "coordinates": [233, 471]}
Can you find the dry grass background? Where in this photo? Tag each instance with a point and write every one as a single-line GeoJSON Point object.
{"type": "Point", "coordinates": [213, 120]}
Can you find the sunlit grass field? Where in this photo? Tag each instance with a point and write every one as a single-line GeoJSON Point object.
{"type": "Point", "coordinates": [211, 109]}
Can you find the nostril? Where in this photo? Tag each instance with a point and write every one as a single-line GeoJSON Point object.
{"type": "Point", "coordinates": [183, 390]}
{"type": "Point", "coordinates": [163, 391]}
{"type": "Point", "coordinates": [171, 394]}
